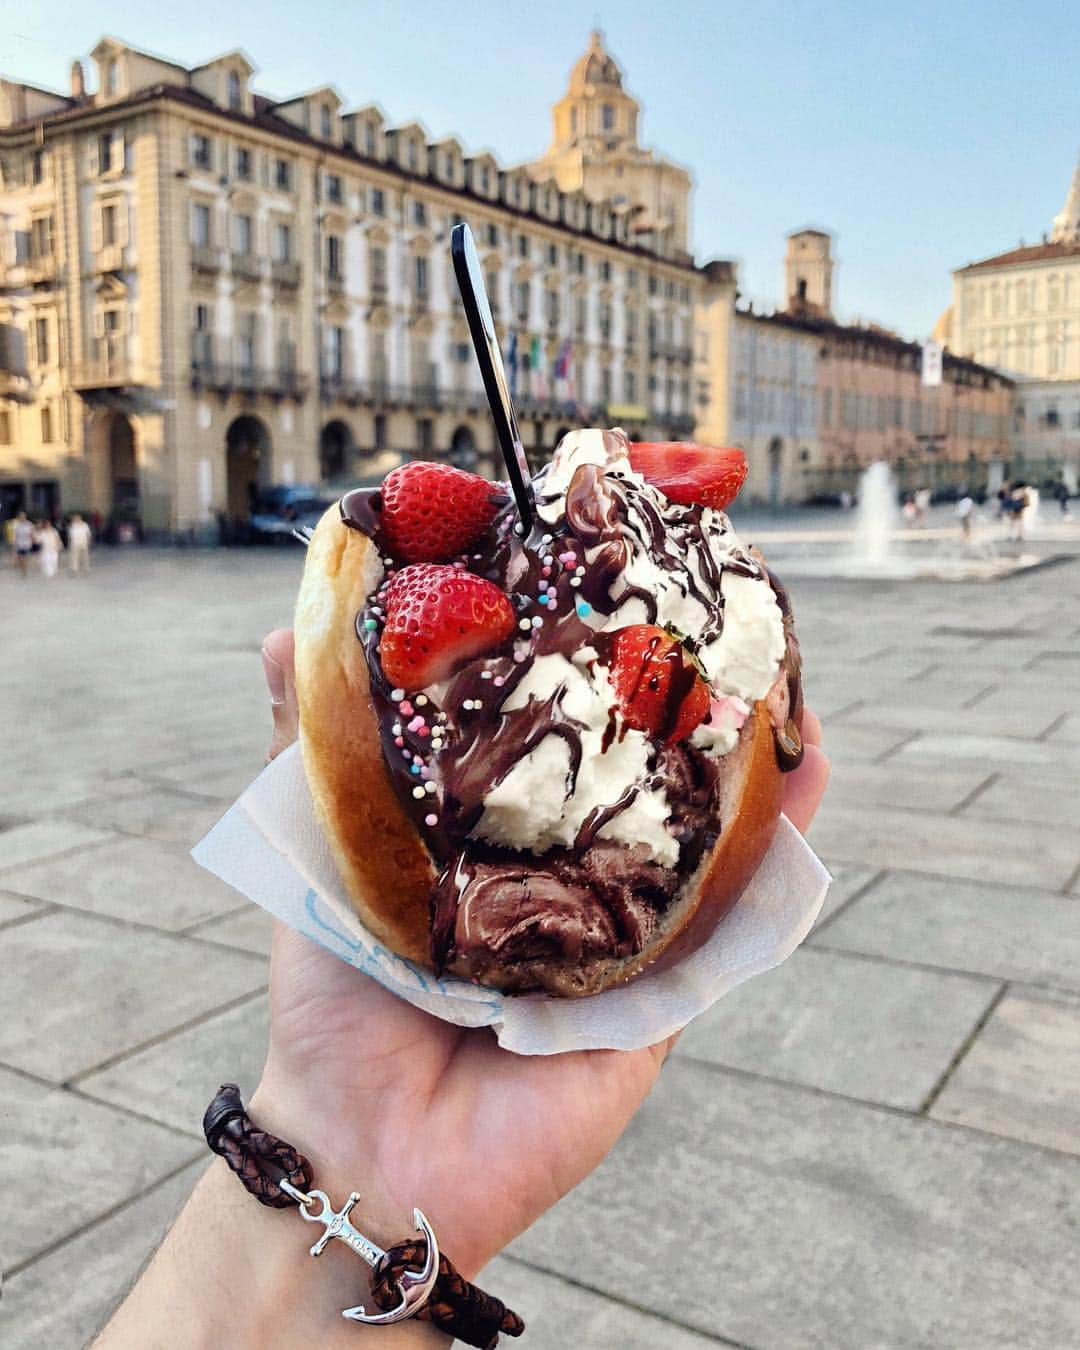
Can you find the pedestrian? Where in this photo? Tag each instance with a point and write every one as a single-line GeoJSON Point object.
{"type": "Point", "coordinates": [23, 542]}
{"type": "Point", "coordinates": [1061, 493]}
{"type": "Point", "coordinates": [1017, 508]}
{"type": "Point", "coordinates": [922, 505]}
{"type": "Point", "coordinates": [1003, 494]}
{"type": "Point", "coordinates": [78, 544]}
{"type": "Point", "coordinates": [49, 543]}
{"type": "Point", "coordinates": [908, 511]}
{"type": "Point", "coordinates": [965, 510]}
{"type": "Point", "coordinates": [846, 500]}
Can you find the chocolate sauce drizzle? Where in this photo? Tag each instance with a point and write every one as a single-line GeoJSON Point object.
{"type": "Point", "coordinates": [495, 905]}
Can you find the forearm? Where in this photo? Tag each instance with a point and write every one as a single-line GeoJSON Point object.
{"type": "Point", "coordinates": [233, 1272]}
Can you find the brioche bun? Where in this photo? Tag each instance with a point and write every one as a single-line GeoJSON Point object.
{"type": "Point", "coordinates": [385, 864]}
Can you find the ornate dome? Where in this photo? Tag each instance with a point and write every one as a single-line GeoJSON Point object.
{"type": "Point", "coordinates": [596, 69]}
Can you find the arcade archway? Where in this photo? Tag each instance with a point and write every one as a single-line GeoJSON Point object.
{"type": "Point", "coordinates": [336, 450]}
{"type": "Point", "coordinates": [463, 453]}
{"type": "Point", "coordinates": [123, 467]}
{"type": "Point", "coordinates": [247, 464]}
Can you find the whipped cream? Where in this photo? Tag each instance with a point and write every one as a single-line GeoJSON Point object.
{"type": "Point", "coordinates": [539, 803]}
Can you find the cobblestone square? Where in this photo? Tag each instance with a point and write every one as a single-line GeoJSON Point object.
{"type": "Point", "coordinates": [877, 1144]}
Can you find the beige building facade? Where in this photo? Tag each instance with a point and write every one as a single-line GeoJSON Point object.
{"type": "Point", "coordinates": [204, 292]}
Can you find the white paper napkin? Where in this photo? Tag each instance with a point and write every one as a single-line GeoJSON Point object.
{"type": "Point", "coordinates": [269, 846]}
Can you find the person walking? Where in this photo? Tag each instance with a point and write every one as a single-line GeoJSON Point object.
{"type": "Point", "coordinates": [922, 505]}
{"type": "Point", "coordinates": [965, 510]}
{"type": "Point", "coordinates": [47, 537]}
{"type": "Point", "coordinates": [1061, 493]}
{"type": "Point", "coordinates": [1017, 507]}
{"type": "Point", "coordinates": [22, 537]}
{"type": "Point", "coordinates": [78, 544]}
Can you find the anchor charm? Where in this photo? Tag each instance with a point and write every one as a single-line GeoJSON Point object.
{"type": "Point", "coordinates": [413, 1287]}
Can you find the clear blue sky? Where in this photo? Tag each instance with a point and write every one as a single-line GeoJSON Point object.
{"type": "Point", "coordinates": [923, 134]}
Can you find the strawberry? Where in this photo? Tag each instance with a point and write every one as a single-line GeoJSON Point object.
{"type": "Point", "coordinates": [710, 475]}
{"type": "Point", "coordinates": [430, 512]}
{"type": "Point", "coordinates": [658, 687]}
{"type": "Point", "coordinates": [438, 617]}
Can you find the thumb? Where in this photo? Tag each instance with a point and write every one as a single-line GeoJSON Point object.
{"type": "Point", "coordinates": [277, 659]}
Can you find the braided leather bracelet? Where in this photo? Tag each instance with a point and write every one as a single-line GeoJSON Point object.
{"type": "Point", "coordinates": [412, 1279]}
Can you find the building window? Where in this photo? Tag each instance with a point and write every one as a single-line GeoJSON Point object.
{"type": "Point", "coordinates": [551, 307]}
{"type": "Point", "coordinates": [425, 441]}
{"type": "Point", "coordinates": [653, 284]}
{"type": "Point", "coordinates": [607, 117]}
{"type": "Point", "coordinates": [41, 341]}
{"type": "Point", "coordinates": [605, 385]}
{"type": "Point", "coordinates": [605, 270]}
{"type": "Point", "coordinates": [523, 245]}
{"type": "Point", "coordinates": [326, 121]}
{"type": "Point", "coordinates": [243, 163]}
{"type": "Point", "coordinates": [421, 278]}
{"type": "Point", "coordinates": [201, 339]}
{"type": "Point", "coordinates": [333, 257]}
{"type": "Point", "coordinates": [41, 237]}
{"type": "Point", "coordinates": [631, 278]}
{"type": "Point", "coordinates": [46, 424]}
{"type": "Point", "coordinates": [419, 213]}
{"type": "Point", "coordinates": [369, 138]}
{"type": "Point", "coordinates": [37, 167]}
{"type": "Point", "coordinates": [378, 202]}
{"type": "Point", "coordinates": [491, 235]}
{"type": "Point", "coordinates": [282, 174]}
{"type": "Point", "coordinates": [333, 188]}
{"type": "Point", "coordinates": [245, 342]}
{"type": "Point", "coordinates": [5, 427]}
{"type": "Point", "coordinates": [491, 282]}
{"type": "Point", "coordinates": [242, 234]}
{"type": "Point", "coordinates": [630, 386]}
{"type": "Point", "coordinates": [380, 431]}
{"type": "Point", "coordinates": [200, 225]}
{"type": "Point", "coordinates": [335, 352]}
{"type": "Point", "coordinates": [581, 315]}
{"type": "Point", "coordinates": [485, 180]}
{"type": "Point", "coordinates": [282, 243]}
{"type": "Point", "coordinates": [201, 152]}
{"type": "Point", "coordinates": [523, 301]}
{"type": "Point", "coordinates": [235, 91]}
{"type": "Point", "coordinates": [108, 225]}
{"type": "Point", "coordinates": [410, 154]}
{"type": "Point", "coordinates": [112, 79]}
{"type": "Point", "coordinates": [579, 264]}
{"type": "Point", "coordinates": [378, 271]}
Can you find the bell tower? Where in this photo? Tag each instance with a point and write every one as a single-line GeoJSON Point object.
{"type": "Point", "coordinates": [808, 269]}
{"type": "Point", "coordinates": [1066, 228]}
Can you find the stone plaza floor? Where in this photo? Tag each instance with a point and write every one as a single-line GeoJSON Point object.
{"type": "Point", "coordinates": [877, 1144]}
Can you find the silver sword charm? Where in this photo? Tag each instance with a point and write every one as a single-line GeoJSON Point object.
{"type": "Point", "coordinates": [413, 1287]}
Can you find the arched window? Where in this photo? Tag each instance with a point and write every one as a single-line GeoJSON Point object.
{"type": "Point", "coordinates": [234, 91]}
{"type": "Point", "coordinates": [607, 117]}
{"type": "Point", "coordinates": [112, 78]}
{"type": "Point", "coordinates": [325, 121]}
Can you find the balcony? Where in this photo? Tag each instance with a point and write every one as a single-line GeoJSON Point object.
{"type": "Point", "coordinates": [207, 374]}
{"type": "Point", "coordinates": [109, 367]}
{"type": "Point", "coordinates": [41, 268]}
{"type": "Point", "coordinates": [109, 258]}
{"type": "Point", "coordinates": [378, 291]}
{"type": "Point", "coordinates": [16, 384]}
{"type": "Point", "coordinates": [335, 283]}
{"type": "Point", "coordinates": [285, 274]}
{"type": "Point", "coordinates": [341, 389]}
{"type": "Point", "coordinates": [380, 394]}
{"type": "Point", "coordinates": [246, 266]}
{"type": "Point", "coordinates": [205, 259]}
{"type": "Point", "coordinates": [421, 301]}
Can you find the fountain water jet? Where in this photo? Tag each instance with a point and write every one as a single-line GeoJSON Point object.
{"type": "Point", "coordinates": [876, 516]}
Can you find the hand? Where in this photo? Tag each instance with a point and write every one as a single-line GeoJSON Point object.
{"type": "Point", "coordinates": [413, 1111]}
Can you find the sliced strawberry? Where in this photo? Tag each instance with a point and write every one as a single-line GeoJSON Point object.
{"type": "Point", "coordinates": [430, 512]}
{"type": "Point", "coordinates": [658, 687]}
{"type": "Point", "coordinates": [710, 475]}
{"type": "Point", "coordinates": [437, 618]}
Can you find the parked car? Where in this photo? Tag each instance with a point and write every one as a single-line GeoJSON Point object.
{"type": "Point", "coordinates": [280, 510]}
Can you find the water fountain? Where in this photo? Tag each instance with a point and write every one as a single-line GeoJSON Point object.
{"type": "Point", "coordinates": [876, 518]}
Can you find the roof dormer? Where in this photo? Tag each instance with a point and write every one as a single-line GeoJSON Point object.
{"type": "Point", "coordinates": [516, 189]}
{"type": "Point", "coordinates": [364, 131]}
{"type": "Point", "coordinates": [317, 112]}
{"type": "Point", "coordinates": [226, 79]}
{"type": "Point", "coordinates": [575, 209]}
{"type": "Point", "coordinates": [123, 70]}
{"type": "Point", "coordinates": [407, 147]}
{"type": "Point", "coordinates": [482, 175]}
{"type": "Point", "coordinates": [446, 162]}
{"type": "Point", "coordinates": [546, 199]}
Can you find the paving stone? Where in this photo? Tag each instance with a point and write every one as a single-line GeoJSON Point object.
{"type": "Point", "coordinates": [1011, 933]}
{"type": "Point", "coordinates": [1019, 1078]}
{"type": "Point", "coordinates": [141, 879]}
{"type": "Point", "coordinates": [956, 846]}
{"type": "Point", "coordinates": [998, 752]}
{"type": "Point", "coordinates": [843, 741]}
{"type": "Point", "coordinates": [1020, 719]}
{"type": "Point", "coordinates": [559, 1314]}
{"type": "Point", "coordinates": [64, 1299]}
{"type": "Point", "coordinates": [251, 928]}
{"type": "Point", "coordinates": [882, 1033]}
{"type": "Point", "coordinates": [78, 990]}
{"type": "Point", "coordinates": [17, 907]}
{"type": "Point", "coordinates": [157, 812]}
{"type": "Point", "coordinates": [43, 839]}
{"type": "Point", "coordinates": [926, 789]}
{"type": "Point", "coordinates": [827, 1223]}
{"type": "Point", "coordinates": [847, 880]}
{"type": "Point", "coordinates": [176, 1077]}
{"type": "Point", "coordinates": [48, 1135]}
{"type": "Point", "coordinates": [1069, 729]}
{"type": "Point", "coordinates": [1020, 796]}
{"type": "Point", "coordinates": [222, 776]}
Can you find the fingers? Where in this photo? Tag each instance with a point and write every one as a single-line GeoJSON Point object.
{"type": "Point", "coordinates": [805, 787]}
{"type": "Point", "coordinates": [277, 658]}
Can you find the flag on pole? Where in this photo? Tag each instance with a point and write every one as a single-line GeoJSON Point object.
{"type": "Point", "coordinates": [538, 367]}
{"type": "Point", "coordinates": [932, 360]}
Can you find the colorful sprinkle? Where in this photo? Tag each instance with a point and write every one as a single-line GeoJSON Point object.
{"type": "Point", "coordinates": [583, 608]}
{"type": "Point", "coordinates": [485, 674]}
{"type": "Point", "coordinates": [500, 680]}
{"type": "Point", "coordinates": [524, 625]}
{"type": "Point", "coordinates": [419, 793]}
{"type": "Point", "coordinates": [398, 742]}
{"type": "Point", "coordinates": [431, 819]}
{"type": "Point", "coordinates": [545, 571]}
{"type": "Point", "coordinates": [414, 768]}
{"type": "Point", "coordinates": [397, 695]}
{"type": "Point", "coordinates": [421, 700]}
{"type": "Point", "coordinates": [545, 538]}
{"type": "Point", "coordinates": [429, 788]}
{"type": "Point", "coordinates": [568, 559]}
{"type": "Point", "coordinates": [406, 708]}
{"type": "Point", "coordinates": [543, 587]}
{"type": "Point", "coordinates": [575, 581]}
